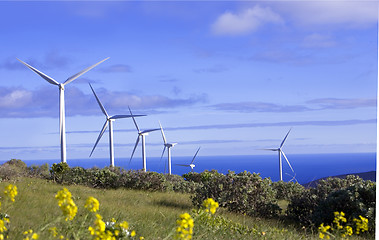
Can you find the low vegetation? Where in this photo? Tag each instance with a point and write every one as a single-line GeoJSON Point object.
{"type": "Point", "coordinates": [154, 204]}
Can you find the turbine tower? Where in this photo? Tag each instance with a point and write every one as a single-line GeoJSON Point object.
{"type": "Point", "coordinates": [108, 121]}
{"type": "Point", "coordinates": [61, 86]}
{"type": "Point", "coordinates": [168, 146]}
{"type": "Point", "coordinates": [280, 152]}
{"type": "Point", "coordinates": [142, 135]}
{"type": "Point", "coordinates": [191, 165]}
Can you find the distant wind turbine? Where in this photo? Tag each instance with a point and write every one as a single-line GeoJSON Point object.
{"type": "Point", "coordinates": [168, 146]}
{"type": "Point", "coordinates": [141, 134]}
{"type": "Point", "coordinates": [191, 165]}
{"type": "Point", "coordinates": [280, 152]}
{"type": "Point", "coordinates": [109, 121]}
{"type": "Point", "coordinates": [62, 122]}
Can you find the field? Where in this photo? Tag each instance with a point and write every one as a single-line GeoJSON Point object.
{"type": "Point", "coordinates": [152, 215]}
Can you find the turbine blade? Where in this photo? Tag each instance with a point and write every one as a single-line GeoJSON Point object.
{"type": "Point", "coordinates": [98, 101]}
{"type": "Point", "coordinates": [72, 78]}
{"type": "Point", "coordinates": [163, 136]}
{"type": "Point", "coordinates": [184, 165]}
{"type": "Point", "coordinates": [125, 116]}
{"type": "Point", "coordinates": [281, 145]}
{"type": "Point", "coordinates": [100, 135]}
{"type": "Point", "coordinates": [44, 76]}
{"type": "Point", "coordinates": [163, 152]}
{"type": "Point", "coordinates": [289, 164]}
{"type": "Point", "coordinates": [134, 149]}
{"type": "Point", "coordinates": [193, 159]}
{"type": "Point", "coordinates": [135, 123]}
{"type": "Point", "coordinates": [269, 149]}
{"type": "Point", "coordinates": [149, 130]}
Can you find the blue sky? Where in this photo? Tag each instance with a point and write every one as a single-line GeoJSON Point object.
{"type": "Point", "coordinates": [231, 77]}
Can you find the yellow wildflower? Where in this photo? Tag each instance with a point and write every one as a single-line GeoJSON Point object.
{"type": "Point", "coordinates": [361, 224]}
{"type": "Point", "coordinates": [11, 191]}
{"type": "Point", "coordinates": [210, 205]}
{"type": "Point", "coordinates": [67, 205]}
{"type": "Point", "coordinates": [322, 230]}
{"type": "Point", "coordinates": [184, 229]}
{"type": "Point", "coordinates": [3, 228]}
{"type": "Point", "coordinates": [92, 204]}
{"type": "Point", "coordinates": [124, 225]}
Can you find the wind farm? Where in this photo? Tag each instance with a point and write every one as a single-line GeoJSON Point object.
{"type": "Point", "coordinates": [230, 78]}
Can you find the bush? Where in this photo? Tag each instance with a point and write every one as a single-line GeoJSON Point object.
{"type": "Point", "coordinates": [12, 169]}
{"type": "Point", "coordinates": [58, 170]}
{"type": "Point", "coordinates": [287, 190]}
{"type": "Point", "coordinates": [351, 195]}
{"type": "Point", "coordinates": [244, 193]}
{"type": "Point", "coordinates": [39, 171]}
{"type": "Point", "coordinates": [357, 200]}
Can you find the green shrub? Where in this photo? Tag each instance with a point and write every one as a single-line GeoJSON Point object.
{"type": "Point", "coordinates": [244, 193]}
{"type": "Point", "coordinates": [58, 170]}
{"type": "Point", "coordinates": [357, 200]}
{"type": "Point", "coordinates": [351, 195]}
{"type": "Point", "coordinates": [287, 190]}
{"type": "Point", "coordinates": [12, 169]}
{"type": "Point", "coordinates": [39, 171]}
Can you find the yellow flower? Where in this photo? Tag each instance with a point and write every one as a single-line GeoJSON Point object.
{"type": "Point", "coordinates": [184, 229]}
{"type": "Point", "coordinates": [133, 233]}
{"type": "Point", "coordinates": [361, 224]}
{"type": "Point", "coordinates": [67, 205]}
{"type": "Point", "coordinates": [3, 228]}
{"type": "Point", "coordinates": [210, 205]}
{"type": "Point", "coordinates": [92, 204]}
{"type": "Point", "coordinates": [124, 225]}
{"type": "Point", "coordinates": [98, 231]}
{"type": "Point", "coordinates": [11, 191]}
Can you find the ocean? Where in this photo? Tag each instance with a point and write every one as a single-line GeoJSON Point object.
{"type": "Point", "coordinates": [307, 167]}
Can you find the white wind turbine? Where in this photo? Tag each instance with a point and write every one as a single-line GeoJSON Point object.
{"type": "Point", "coordinates": [191, 165]}
{"type": "Point", "coordinates": [168, 146]}
{"type": "Point", "coordinates": [61, 86]}
{"type": "Point", "coordinates": [280, 152]}
{"type": "Point", "coordinates": [109, 121]}
{"type": "Point", "coordinates": [141, 134]}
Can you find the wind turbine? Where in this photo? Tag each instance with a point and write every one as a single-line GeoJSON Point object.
{"type": "Point", "coordinates": [168, 146]}
{"type": "Point", "coordinates": [280, 152]}
{"type": "Point", "coordinates": [141, 134]}
{"type": "Point", "coordinates": [191, 165]}
{"type": "Point", "coordinates": [61, 86]}
{"type": "Point", "coordinates": [109, 121]}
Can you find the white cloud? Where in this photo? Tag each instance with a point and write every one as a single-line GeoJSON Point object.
{"type": "Point", "coordinates": [349, 13]}
{"type": "Point", "coordinates": [15, 98]}
{"type": "Point", "coordinates": [244, 22]}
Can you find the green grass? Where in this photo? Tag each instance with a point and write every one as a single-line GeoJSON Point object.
{"type": "Point", "coordinates": [151, 214]}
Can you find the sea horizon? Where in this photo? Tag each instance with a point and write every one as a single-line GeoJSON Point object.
{"type": "Point", "coordinates": [307, 167]}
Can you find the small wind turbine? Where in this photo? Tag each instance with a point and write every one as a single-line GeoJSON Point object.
{"type": "Point", "coordinates": [280, 152]}
{"type": "Point", "coordinates": [168, 146]}
{"type": "Point", "coordinates": [109, 120]}
{"type": "Point", "coordinates": [62, 122]}
{"type": "Point", "coordinates": [191, 165]}
{"type": "Point", "coordinates": [141, 134]}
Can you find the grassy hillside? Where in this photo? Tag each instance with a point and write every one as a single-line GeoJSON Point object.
{"type": "Point", "coordinates": [152, 215]}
